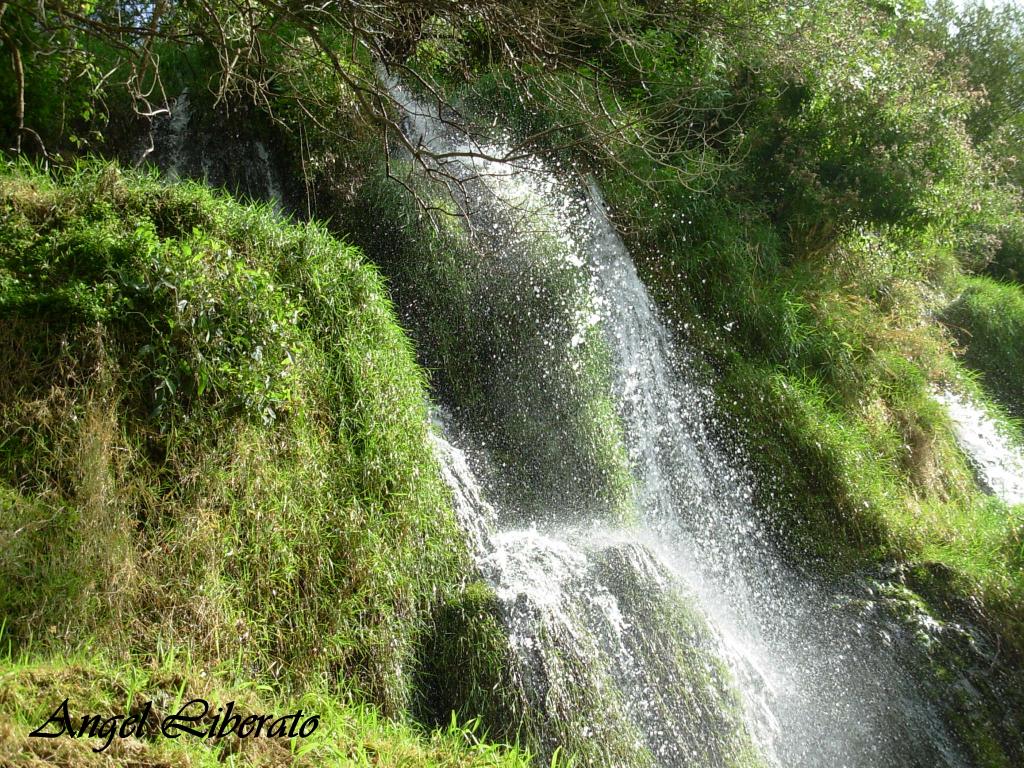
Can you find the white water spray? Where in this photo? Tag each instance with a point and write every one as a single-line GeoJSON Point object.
{"type": "Point", "coordinates": [998, 462]}
{"type": "Point", "coordinates": [815, 690]}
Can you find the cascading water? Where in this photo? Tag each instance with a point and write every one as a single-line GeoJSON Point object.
{"type": "Point", "coordinates": [184, 149]}
{"type": "Point", "coordinates": [608, 646]}
{"type": "Point", "coordinates": [998, 463]}
{"type": "Point", "coordinates": [675, 638]}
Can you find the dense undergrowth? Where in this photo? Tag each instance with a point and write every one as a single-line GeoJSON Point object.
{"type": "Point", "coordinates": [987, 319]}
{"type": "Point", "coordinates": [214, 469]}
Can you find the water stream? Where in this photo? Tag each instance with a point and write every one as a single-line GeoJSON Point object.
{"type": "Point", "coordinates": [677, 637]}
{"type": "Point", "coordinates": [998, 463]}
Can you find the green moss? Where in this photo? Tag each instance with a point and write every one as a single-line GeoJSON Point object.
{"type": "Point", "coordinates": [561, 694]}
{"type": "Point", "coordinates": [471, 670]}
{"type": "Point", "coordinates": [499, 330]}
{"type": "Point", "coordinates": [988, 321]}
{"type": "Point", "coordinates": [214, 439]}
{"type": "Point", "coordinates": [467, 667]}
{"type": "Point", "coordinates": [689, 686]}
{"type": "Point", "coordinates": [977, 695]}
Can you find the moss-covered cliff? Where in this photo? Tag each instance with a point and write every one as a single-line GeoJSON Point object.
{"type": "Point", "coordinates": [214, 471]}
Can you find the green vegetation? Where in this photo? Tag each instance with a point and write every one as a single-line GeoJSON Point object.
{"type": "Point", "coordinates": [466, 667]}
{"type": "Point", "coordinates": [473, 672]}
{"type": "Point", "coordinates": [846, 490]}
{"type": "Point", "coordinates": [987, 320]}
{"type": "Point", "coordinates": [347, 735]}
{"type": "Point", "coordinates": [824, 202]}
{"type": "Point", "coordinates": [214, 449]}
{"type": "Point", "coordinates": [499, 326]}
{"type": "Point", "coordinates": [580, 710]}
{"type": "Point", "coordinates": [679, 654]}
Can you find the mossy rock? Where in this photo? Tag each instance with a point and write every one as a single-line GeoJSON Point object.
{"type": "Point", "coordinates": [974, 684]}
{"type": "Point", "coordinates": [214, 437]}
{"type": "Point", "coordinates": [689, 690]}
{"type": "Point", "coordinates": [647, 689]}
{"type": "Point", "coordinates": [496, 321]}
{"type": "Point", "coordinates": [466, 667]}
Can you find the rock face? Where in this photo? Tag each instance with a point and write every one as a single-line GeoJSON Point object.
{"type": "Point", "coordinates": [236, 151]}
{"type": "Point", "coordinates": [974, 684]}
{"type": "Point", "coordinates": [581, 640]}
{"type": "Point", "coordinates": [615, 659]}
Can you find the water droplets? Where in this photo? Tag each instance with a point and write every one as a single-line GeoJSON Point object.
{"type": "Point", "coordinates": [649, 630]}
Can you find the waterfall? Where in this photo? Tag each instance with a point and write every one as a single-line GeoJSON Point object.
{"type": "Point", "coordinates": [184, 145]}
{"type": "Point", "coordinates": [609, 646]}
{"type": "Point", "coordinates": [676, 636]}
{"type": "Point", "coordinates": [998, 463]}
